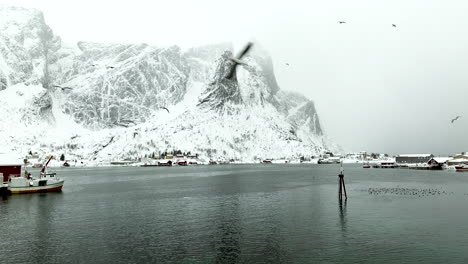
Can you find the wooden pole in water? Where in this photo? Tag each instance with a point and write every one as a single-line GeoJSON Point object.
{"type": "Point", "coordinates": [340, 195]}
{"type": "Point", "coordinates": [341, 184]}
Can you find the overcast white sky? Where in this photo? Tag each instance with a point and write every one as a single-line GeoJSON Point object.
{"type": "Point", "coordinates": [376, 88]}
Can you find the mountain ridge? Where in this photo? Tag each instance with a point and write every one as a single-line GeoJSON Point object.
{"type": "Point", "coordinates": [94, 92]}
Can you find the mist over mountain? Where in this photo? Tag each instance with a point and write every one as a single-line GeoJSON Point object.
{"type": "Point", "coordinates": [116, 101]}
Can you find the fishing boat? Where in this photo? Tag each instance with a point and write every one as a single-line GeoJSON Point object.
{"type": "Point", "coordinates": [46, 182]}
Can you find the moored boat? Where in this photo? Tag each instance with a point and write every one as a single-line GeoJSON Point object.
{"type": "Point", "coordinates": [47, 182]}
{"type": "Point", "coordinates": [166, 163]}
{"type": "Point", "coordinates": [462, 167]}
{"type": "Point", "coordinates": [182, 163]}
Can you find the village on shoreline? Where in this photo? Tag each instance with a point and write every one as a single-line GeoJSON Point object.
{"type": "Point", "coordinates": [177, 158]}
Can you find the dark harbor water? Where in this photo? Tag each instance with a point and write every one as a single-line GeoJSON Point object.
{"type": "Point", "coordinates": [240, 214]}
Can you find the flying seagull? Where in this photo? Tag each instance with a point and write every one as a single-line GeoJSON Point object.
{"type": "Point", "coordinates": [165, 109]}
{"type": "Point", "coordinates": [238, 61]}
{"type": "Point", "coordinates": [203, 101]}
{"type": "Point", "coordinates": [342, 22]}
{"type": "Point", "coordinates": [287, 64]}
{"type": "Point", "coordinates": [393, 25]}
{"type": "Point", "coordinates": [110, 67]}
{"type": "Point", "coordinates": [63, 88]}
{"type": "Point", "coordinates": [455, 119]}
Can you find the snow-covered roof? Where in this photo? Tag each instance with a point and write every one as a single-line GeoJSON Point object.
{"type": "Point", "coordinates": [414, 155]}
{"type": "Point", "coordinates": [9, 160]}
{"type": "Point", "coordinates": [441, 159]}
{"type": "Point", "coordinates": [458, 160]}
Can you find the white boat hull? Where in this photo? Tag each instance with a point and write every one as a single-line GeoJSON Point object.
{"type": "Point", "coordinates": [54, 187]}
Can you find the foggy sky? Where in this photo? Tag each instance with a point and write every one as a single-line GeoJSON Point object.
{"type": "Point", "coordinates": [376, 88]}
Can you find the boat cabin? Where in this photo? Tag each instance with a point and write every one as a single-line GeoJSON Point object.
{"type": "Point", "coordinates": [8, 170]}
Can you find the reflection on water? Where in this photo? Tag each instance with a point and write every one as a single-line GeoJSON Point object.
{"type": "Point", "coordinates": [228, 228]}
{"type": "Point", "coordinates": [342, 207]}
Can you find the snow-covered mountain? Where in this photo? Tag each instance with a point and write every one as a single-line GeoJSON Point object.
{"type": "Point", "coordinates": [115, 101]}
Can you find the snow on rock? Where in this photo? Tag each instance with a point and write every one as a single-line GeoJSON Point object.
{"type": "Point", "coordinates": [107, 101]}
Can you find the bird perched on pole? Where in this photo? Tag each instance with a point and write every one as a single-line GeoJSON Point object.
{"type": "Point", "coordinates": [236, 61]}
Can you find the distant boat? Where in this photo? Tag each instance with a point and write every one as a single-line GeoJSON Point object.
{"type": "Point", "coordinates": [425, 166]}
{"type": "Point", "coordinates": [329, 161]}
{"type": "Point", "coordinates": [385, 165]}
{"type": "Point", "coordinates": [149, 165]}
{"type": "Point", "coordinates": [266, 161]}
{"type": "Point", "coordinates": [167, 163]}
{"type": "Point", "coordinates": [182, 163]}
{"type": "Point", "coordinates": [462, 167]}
{"type": "Point", "coordinates": [65, 164]}
{"type": "Point", "coordinates": [432, 164]}
{"type": "Point", "coordinates": [212, 162]}
{"type": "Point", "coordinates": [366, 166]}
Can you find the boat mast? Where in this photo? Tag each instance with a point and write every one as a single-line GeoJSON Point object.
{"type": "Point", "coordinates": [45, 165]}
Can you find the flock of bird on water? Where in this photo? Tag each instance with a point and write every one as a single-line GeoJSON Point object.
{"type": "Point", "coordinates": [407, 191]}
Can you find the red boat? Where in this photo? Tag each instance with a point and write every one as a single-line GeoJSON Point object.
{"type": "Point", "coordinates": [463, 167]}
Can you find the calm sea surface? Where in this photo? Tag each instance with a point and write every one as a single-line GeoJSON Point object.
{"type": "Point", "coordinates": [240, 214]}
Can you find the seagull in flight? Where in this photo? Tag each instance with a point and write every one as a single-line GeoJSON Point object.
{"type": "Point", "coordinates": [287, 64]}
{"type": "Point", "coordinates": [455, 119]}
{"type": "Point", "coordinates": [110, 67]}
{"type": "Point", "coordinates": [63, 88]}
{"type": "Point", "coordinates": [342, 22]}
{"type": "Point", "coordinates": [165, 109]}
{"type": "Point", "coordinates": [393, 25]}
{"type": "Point", "coordinates": [238, 61]}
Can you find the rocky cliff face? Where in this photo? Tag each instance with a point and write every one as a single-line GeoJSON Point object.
{"type": "Point", "coordinates": [122, 92]}
{"type": "Point", "coordinates": [27, 47]}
